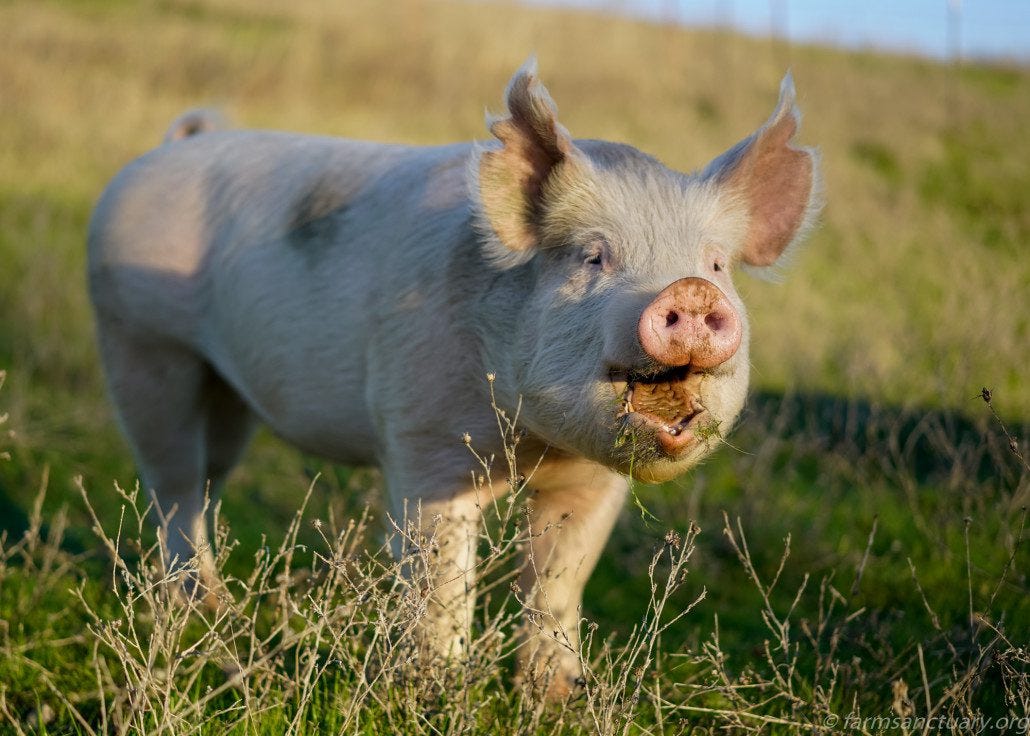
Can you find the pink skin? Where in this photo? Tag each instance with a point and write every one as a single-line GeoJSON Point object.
{"type": "Point", "coordinates": [691, 322]}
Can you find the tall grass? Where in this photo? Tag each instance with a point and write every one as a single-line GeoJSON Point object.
{"type": "Point", "coordinates": [316, 634]}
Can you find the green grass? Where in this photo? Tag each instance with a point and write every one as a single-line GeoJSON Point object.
{"type": "Point", "coordinates": [942, 512]}
{"type": "Point", "coordinates": [868, 360]}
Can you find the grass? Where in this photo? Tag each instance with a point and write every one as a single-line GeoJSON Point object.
{"type": "Point", "coordinates": [911, 602]}
{"type": "Point", "coordinates": [867, 450]}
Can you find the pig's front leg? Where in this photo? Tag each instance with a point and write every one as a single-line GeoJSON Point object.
{"type": "Point", "coordinates": [438, 550]}
{"type": "Point", "coordinates": [572, 513]}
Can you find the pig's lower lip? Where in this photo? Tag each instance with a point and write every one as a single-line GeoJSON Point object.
{"type": "Point", "coordinates": [667, 402]}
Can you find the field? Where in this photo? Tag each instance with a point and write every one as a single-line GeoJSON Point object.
{"type": "Point", "coordinates": [856, 553]}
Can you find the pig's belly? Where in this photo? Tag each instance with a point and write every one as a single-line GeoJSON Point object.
{"type": "Point", "coordinates": [306, 382]}
{"type": "Point", "coordinates": [334, 435]}
{"type": "Point", "coordinates": [320, 411]}
{"type": "Point", "coordinates": [292, 339]}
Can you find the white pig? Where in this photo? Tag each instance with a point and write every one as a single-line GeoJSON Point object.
{"type": "Point", "coordinates": [354, 296]}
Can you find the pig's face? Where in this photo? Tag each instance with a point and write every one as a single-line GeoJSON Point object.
{"type": "Point", "coordinates": [632, 344]}
{"type": "Point", "coordinates": [604, 273]}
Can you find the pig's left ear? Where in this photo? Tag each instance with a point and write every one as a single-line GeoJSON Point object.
{"type": "Point", "coordinates": [512, 179]}
{"type": "Point", "coordinates": [776, 182]}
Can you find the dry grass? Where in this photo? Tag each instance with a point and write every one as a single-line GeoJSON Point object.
{"type": "Point", "coordinates": [319, 636]}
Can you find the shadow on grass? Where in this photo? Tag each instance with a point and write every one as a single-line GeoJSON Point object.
{"type": "Point", "coordinates": [872, 497]}
{"type": "Point", "coordinates": [927, 446]}
{"type": "Point", "coordinates": [926, 442]}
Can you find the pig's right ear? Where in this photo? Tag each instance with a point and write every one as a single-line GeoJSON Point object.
{"type": "Point", "coordinates": [775, 182]}
{"type": "Point", "coordinates": [512, 179]}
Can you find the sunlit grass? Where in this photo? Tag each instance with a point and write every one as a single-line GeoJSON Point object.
{"type": "Point", "coordinates": [803, 606]}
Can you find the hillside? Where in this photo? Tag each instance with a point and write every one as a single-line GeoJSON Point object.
{"type": "Point", "coordinates": [915, 290]}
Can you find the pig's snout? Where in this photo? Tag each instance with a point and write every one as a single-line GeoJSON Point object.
{"type": "Point", "coordinates": [690, 322]}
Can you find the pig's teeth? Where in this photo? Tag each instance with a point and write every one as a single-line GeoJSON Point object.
{"type": "Point", "coordinates": [674, 431]}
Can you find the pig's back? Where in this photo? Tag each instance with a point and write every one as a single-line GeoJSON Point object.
{"type": "Point", "coordinates": [270, 255]}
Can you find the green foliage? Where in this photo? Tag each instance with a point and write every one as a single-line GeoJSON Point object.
{"type": "Point", "coordinates": [879, 158]}
{"type": "Point", "coordinates": [976, 181]}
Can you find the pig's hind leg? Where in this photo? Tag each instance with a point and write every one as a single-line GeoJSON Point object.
{"type": "Point", "coordinates": [229, 426]}
{"type": "Point", "coordinates": [161, 391]}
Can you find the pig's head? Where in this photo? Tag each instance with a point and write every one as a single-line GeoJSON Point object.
{"type": "Point", "coordinates": [613, 315]}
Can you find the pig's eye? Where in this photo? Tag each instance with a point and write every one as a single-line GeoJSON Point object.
{"type": "Point", "coordinates": [594, 256]}
{"type": "Point", "coordinates": [716, 266]}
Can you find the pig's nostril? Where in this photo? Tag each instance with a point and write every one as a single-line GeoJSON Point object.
{"type": "Point", "coordinates": [690, 322]}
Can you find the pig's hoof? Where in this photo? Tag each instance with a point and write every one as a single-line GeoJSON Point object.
{"type": "Point", "coordinates": [553, 683]}
{"type": "Point", "coordinates": [209, 593]}
{"type": "Point", "coordinates": [564, 687]}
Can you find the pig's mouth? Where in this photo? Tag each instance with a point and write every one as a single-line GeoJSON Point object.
{"type": "Point", "coordinates": [667, 402]}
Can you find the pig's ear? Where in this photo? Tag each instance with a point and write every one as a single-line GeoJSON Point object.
{"type": "Point", "coordinates": [777, 182]}
{"type": "Point", "coordinates": [512, 179]}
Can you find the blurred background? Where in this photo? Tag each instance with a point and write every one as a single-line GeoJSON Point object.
{"type": "Point", "coordinates": [869, 353]}
{"type": "Point", "coordinates": [914, 291]}
{"type": "Point", "coordinates": [945, 29]}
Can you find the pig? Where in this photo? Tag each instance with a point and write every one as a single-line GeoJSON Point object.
{"type": "Point", "coordinates": [354, 297]}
